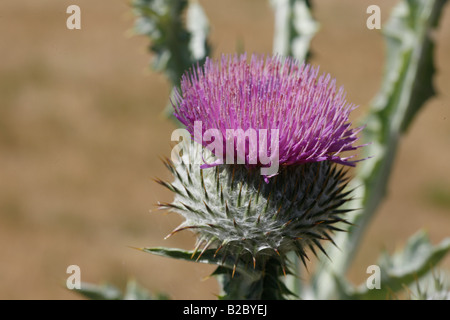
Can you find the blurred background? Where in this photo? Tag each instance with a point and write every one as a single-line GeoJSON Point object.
{"type": "Point", "coordinates": [82, 133]}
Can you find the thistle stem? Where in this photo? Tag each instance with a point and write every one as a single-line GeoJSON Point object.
{"type": "Point", "coordinates": [263, 284]}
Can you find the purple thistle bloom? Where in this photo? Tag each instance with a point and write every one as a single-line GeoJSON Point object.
{"type": "Point", "coordinates": [233, 213]}
{"type": "Point", "coordinates": [311, 114]}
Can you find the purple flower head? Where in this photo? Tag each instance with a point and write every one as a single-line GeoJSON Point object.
{"type": "Point", "coordinates": [310, 113]}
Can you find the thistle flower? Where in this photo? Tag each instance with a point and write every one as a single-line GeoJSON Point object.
{"type": "Point", "coordinates": [234, 211]}
{"type": "Point", "coordinates": [310, 113]}
{"type": "Point", "coordinates": [229, 207]}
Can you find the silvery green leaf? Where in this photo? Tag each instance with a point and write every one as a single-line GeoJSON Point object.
{"type": "Point", "coordinates": [207, 256]}
{"type": "Point", "coordinates": [406, 86]}
{"type": "Point", "coordinates": [133, 291]}
{"type": "Point", "coordinates": [401, 269]}
{"type": "Point", "coordinates": [294, 28]}
{"type": "Point", "coordinates": [99, 292]}
{"type": "Point", "coordinates": [176, 46]}
{"type": "Point", "coordinates": [161, 21]}
{"type": "Point", "coordinates": [238, 279]}
{"type": "Point", "coordinates": [198, 26]}
{"type": "Point", "coordinates": [434, 286]}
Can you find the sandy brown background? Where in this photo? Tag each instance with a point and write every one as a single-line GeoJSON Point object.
{"type": "Point", "coordinates": [81, 135]}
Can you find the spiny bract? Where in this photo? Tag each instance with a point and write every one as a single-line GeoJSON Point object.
{"type": "Point", "coordinates": [310, 112]}
{"type": "Point", "coordinates": [233, 210]}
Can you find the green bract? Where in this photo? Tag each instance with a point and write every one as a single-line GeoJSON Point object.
{"type": "Point", "coordinates": [233, 210]}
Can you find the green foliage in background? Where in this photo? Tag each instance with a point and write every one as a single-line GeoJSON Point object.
{"type": "Point", "coordinates": [178, 32]}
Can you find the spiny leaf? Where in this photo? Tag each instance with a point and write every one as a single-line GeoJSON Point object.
{"type": "Point", "coordinates": [404, 267]}
{"type": "Point", "coordinates": [106, 291]}
{"type": "Point", "coordinates": [99, 292]}
{"type": "Point", "coordinates": [294, 28]}
{"type": "Point", "coordinates": [407, 85]}
{"type": "Point", "coordinates": [208, 256]}
{"type": "Point", "coordinates": [175, 46]}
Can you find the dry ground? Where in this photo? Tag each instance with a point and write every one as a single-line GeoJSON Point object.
{"type": "Point", "coordinates": [81, 136]}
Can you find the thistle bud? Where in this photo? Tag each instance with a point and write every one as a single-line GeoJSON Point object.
{"type": "Point", "coordinates": [234, 211]}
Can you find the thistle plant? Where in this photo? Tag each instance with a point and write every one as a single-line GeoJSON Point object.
{"type": "Point", "coordinates": [262, 178]}
{"type": "Point", "coordinates": [234, 209]}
